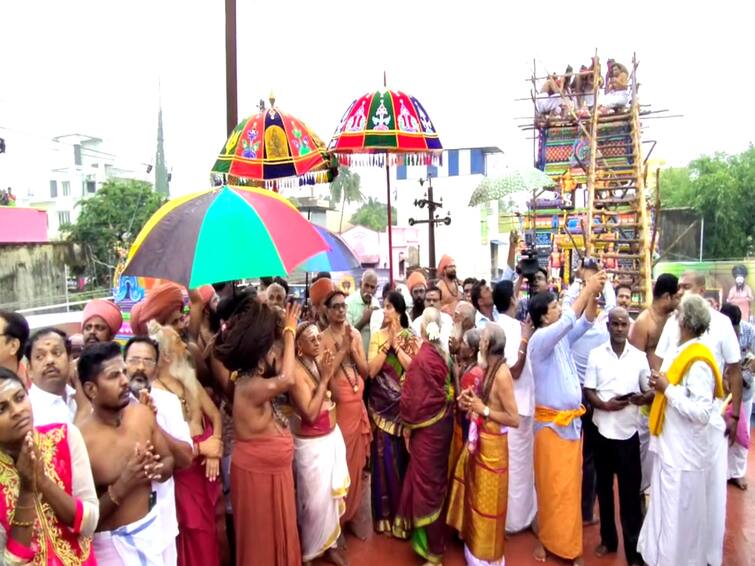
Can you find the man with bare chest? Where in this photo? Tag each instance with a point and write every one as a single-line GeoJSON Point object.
{"type": "Point", "coordinates": [263, 450]}
{"type": "Point", "coordinates": [647, 329]}
{"type": "Point", "coordinates": [644, 335]}
{"type": "Point", "coordinates": [322, 476]}
{"type": "Point", "coordinates": [127, 452]}
{"type": "Point", "coordinates": [347, 387]}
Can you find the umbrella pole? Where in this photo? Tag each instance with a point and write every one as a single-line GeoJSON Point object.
{"type": "Point", "coordinates": [390, 221]}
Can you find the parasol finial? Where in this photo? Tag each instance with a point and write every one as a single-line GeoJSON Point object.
{"type": "Point", "coordinates": [271, 98]}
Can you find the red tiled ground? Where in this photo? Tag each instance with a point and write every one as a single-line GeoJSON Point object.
{"type": "Point", "coordinates": [739, 546]}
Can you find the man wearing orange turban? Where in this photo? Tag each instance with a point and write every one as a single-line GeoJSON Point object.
{"type": "Point", "coordinates": [319, 292]}
{"type": "Point", "coordinates": [451, 292]}
{"type": "Point", "coordinates": [417, 285]}
{"type": "Point", "coordinates": [101, 321]}
{"type": "Point", "coordinates": [164, 304]}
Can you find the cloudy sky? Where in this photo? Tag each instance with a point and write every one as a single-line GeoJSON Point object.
{"type": "Point", "coordinates": [93, 67]}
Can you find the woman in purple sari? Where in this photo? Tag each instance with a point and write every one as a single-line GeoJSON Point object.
{"type": "Point", "coordinates": [426, 410]}
{"type": "Point", "coordinates": [391, 351]}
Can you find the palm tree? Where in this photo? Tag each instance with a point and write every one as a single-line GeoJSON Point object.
{"type": "Point", "coordinates": [345, 188]}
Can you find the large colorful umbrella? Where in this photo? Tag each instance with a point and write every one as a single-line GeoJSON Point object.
{"type": "Point", "coordinates": [275, 150]}
{"type": "Point", "coordinates": [340, 257]}
{"type": "Point", "coordinates": [223, 234]}
{"type": "Point", "coordinates": [385, 122]}
{"type": "Point", "coordinates": [516, 181]}
{"type": "Point", "coordinates": [385, 128]}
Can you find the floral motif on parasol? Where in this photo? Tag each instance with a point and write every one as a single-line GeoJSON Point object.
{"type": "Point", "coordinates": [275, 150]}
{"type": "Point", "coordinates": [386, 126]}
{"type": "Point", "coordinates": [223, 234]}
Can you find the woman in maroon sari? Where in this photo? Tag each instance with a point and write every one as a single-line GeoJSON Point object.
{"type": "Point", "coordinates": [391, 351]}
{"type": "Point", "coordinates": [427, 415]}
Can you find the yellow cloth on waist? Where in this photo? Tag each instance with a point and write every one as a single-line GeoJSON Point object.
{"type": "Point", "coordinates": [695, 352]}
{"type": "Point", "coordinates": [560, 418]}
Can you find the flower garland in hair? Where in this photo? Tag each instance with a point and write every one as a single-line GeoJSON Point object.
{"type": "Point", "coordinates": [433, 331]}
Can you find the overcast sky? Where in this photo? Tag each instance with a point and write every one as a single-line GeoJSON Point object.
{"type": "Point", "coordinates": [93, 67]}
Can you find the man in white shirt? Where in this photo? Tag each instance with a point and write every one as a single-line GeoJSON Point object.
{"type": "Point", "coordinates": [481, 297]}
{"type": "Point", "coordinates": [141, 355]}
{"type": "Point", "coordinates": [52, 399]}
{"type": "Point", "coordinates": [432, 300]}
{"type": "Point", "coordinates": [361, 306]}
{"type": "Point", "coordinates": [522, 500]}
{"type": "Point", "coordinates": [677, 521]}
{"type": "Point", "coordinates": [723, 343]}
{"type": "Point", "coordinates": [614, 374]}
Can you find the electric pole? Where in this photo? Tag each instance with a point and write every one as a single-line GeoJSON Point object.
{"type": "Point", "coordinates": [432, 219]}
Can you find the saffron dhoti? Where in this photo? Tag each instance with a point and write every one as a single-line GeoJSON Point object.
{"type": "Point", "coordinates": [558, 482]}
{"type": "Point", "coordinates": [264, 502]}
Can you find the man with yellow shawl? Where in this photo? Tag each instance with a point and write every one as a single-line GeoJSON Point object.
{"type": "Point", "coordinates": [674, 531]}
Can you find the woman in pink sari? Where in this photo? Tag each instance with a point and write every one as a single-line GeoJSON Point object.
{"type": "Point", "coordinates": [49, 507]}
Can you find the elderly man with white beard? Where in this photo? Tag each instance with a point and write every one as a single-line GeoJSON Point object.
{"type": "Point", "coordinates": [197, 487]}
{"type": "Point", "coordinates": [463, 319]}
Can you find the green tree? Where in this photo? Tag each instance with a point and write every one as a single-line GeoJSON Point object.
{"type": "Point", "coordinates": [373, 214]}
{"type": "Point", "coordinates": [109, 222]}
{"type": "Point", "coordinates": [721, 188]}
{"type": "Point", "coordinates": [345, 188]}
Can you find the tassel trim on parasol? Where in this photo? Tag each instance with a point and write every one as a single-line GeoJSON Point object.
{"type": "Point", "coordinates": [392, 159]}
{"type": "Point", "coordinates": [312, 178]}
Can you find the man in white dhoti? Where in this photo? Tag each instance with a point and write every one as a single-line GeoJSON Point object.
{"type": "Point", "coordinates": [675, 528]}
{"type": "Point", "coordinates": [722, 341]}
{"type": "Point", "coordinates": [322, 473]}
{"type": "Point", "coordinates": [739, 449]}
{"type": "Point", "coordinates": [522, 500]}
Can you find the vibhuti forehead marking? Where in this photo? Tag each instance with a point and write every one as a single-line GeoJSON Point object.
{"type": "Point", "coordinates": [8, 384]}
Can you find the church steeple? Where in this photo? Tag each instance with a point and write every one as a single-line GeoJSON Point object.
{"type": "Point", "coordinates": [161, 171]}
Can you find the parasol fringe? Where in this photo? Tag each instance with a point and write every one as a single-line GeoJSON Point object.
{"type": "Point", "coordinates": [410, 159]}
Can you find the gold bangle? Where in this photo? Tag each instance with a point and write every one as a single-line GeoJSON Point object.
{"type": "Point", "coordinates": [290, 329]}
{"type": "Point", "coordinates": [15, 523]}
{"type": "Point", "coordinates": [112, 496]}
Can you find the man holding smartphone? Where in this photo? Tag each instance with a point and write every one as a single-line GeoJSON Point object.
{"type": "Point", "coordinates": [613, 378]}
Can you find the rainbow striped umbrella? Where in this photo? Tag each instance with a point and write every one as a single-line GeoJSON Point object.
{"type": "Point", "coordinates": [223, 234]}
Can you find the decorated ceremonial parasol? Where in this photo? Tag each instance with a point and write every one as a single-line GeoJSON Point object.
{"type": "Point", "coordinates": [275, 150]}
{"type": "Point", "coordinates": [223, 234]}
{"type": "Point", "coordinates": [340, 257]}
{"type": "Point", "coordinates": [516, 181]}
{"type": "Point", "coordinates": [385, 128]}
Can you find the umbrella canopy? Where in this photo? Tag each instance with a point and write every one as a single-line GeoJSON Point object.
{"type": "Point", "coordinates": [223, 234]}
{"type": "Point", "coordinates": [385, 122]}
{"type": "Point", "coordinates": [275, 150]}
{"type": "Point", "coordinates": [518, 180]}
{"type": "Point", "coordinates": [340, 257]}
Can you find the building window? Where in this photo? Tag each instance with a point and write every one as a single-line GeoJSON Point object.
{"type": "Point", "coordinates": [53, 188]}
{"type": "Point", "coordinates": [66, 188]}
{"type": "Point", "coordinates": [64, 217]}
{"type": "Point", "coordinates": [91, 186]}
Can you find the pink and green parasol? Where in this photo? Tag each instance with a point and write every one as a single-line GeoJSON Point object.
{"type": "Point", "coordinates": [223, 234]}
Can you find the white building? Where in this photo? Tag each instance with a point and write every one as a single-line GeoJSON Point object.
{"type": "Point", "coordinates": [477, 238]}
{"type": "Point", "coordinates": [79, 166]}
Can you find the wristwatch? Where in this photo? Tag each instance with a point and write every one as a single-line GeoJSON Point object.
{"type": "Point", "coordinates": [486, 412]}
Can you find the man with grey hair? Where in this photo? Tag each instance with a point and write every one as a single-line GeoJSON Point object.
{"type": "Point", "coordinates": [675, 530]}
{"type": "Point", "coordinates": [276, 295]}
{"type": "Point", "coordinates": [721, 339]}
{"type": "Point", "coordinates": [360, 306]}
{"type": "Point", "coordinates": [463, 320]}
